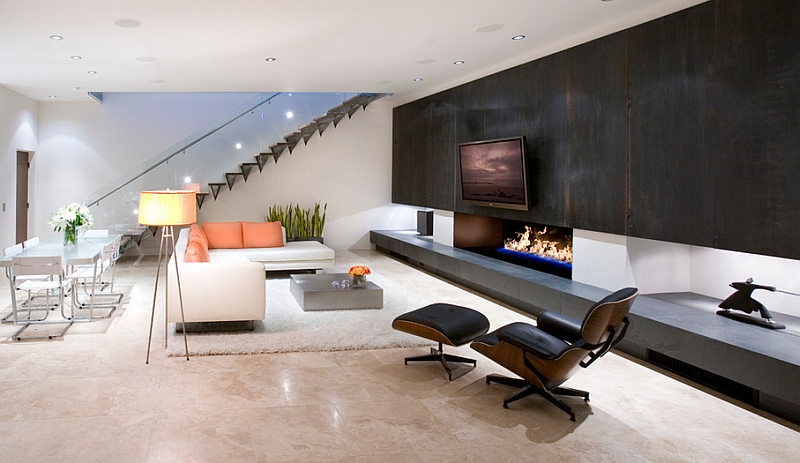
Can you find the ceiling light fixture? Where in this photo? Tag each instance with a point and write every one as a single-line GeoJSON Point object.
{"type": "Point", "coordinates": [76, 57]}
{"type": "Point", "coordinates": [489, 28]}
{"type": "Point", "coordinates": [52, 97]}
{"type": "Point", "coordinates": [458, 63]}
{"type": "Point", "coordinates": [91, 72]}
{"type": "Point", "coordinates": [127, 23]}
{"type": "Point", "coordinates": [238, 146]}
{"type": "Point", "coordinates": [518, 37]}
{"type": "Point", "coordinates": [289, 114]}
{"type": "Point", "coordinates": [76, 88]}
{"type": "Point", "coordinates": [418, 79]}
{"type": "Point", "coordinates": [269, 60]}
{"type": "Point", "coordinates": [56, 37]}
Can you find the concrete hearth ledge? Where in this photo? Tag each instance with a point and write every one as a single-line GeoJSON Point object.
{"type": "Point", "coordinates": [680, 326]}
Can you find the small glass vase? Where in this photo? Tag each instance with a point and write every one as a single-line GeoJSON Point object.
{"type": "Point", "coordinates": [359, 281]}
{"type": "Point", "coordinates": [70, 236]}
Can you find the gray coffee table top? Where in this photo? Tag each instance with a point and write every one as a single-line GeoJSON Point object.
{"type": "Point", "coordinates": [316, 292]}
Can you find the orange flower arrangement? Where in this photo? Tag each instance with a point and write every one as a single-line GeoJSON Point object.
{"type": "Point", "coordinates": [358, 270]}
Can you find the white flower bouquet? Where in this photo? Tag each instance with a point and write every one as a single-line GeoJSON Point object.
{"type": "Point", "coordinates": [72, 219]}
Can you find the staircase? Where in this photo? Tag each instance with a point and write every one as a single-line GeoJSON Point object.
{"type": "Point", "coordinates": [332, 117]}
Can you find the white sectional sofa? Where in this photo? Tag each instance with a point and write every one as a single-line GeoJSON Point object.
{"type": "Point", "coordinates": [230, 286]}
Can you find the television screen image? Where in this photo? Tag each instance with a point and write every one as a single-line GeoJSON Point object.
{"type": "Point", "coordinates": [493, 173]}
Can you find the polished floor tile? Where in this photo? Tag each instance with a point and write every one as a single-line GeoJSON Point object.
{"type": "Point", "coordinates": [90, 397]}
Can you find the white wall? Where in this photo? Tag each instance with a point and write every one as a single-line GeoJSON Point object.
{"type": "Point", "coordinates": [18, 131]}
{"type": "Point", "coordinates": [600, 259]}
{"type": "Point", "coordinates": [349, 167]}
{"type": "Point", "coordinates": [713, 269]}
{"type": "Point", "coordinates": [443, 227]}
{"type": "Point", "coordinates": [84, 146]}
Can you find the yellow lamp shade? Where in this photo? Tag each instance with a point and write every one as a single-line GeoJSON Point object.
{"type": "Point", "coordinates": [167, 207]}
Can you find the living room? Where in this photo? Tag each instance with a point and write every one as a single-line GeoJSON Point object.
{"type": "Point", "coordinates": [81, 146]}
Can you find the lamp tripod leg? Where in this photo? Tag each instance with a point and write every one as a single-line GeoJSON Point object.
{"type": "Point", "coordinates": [155, 295]}
{"type": "Point", "coordinates": [180, 298]}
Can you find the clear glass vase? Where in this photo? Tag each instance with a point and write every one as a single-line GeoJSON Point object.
{"type": "Point", "coordinates": [359, 281]}
{"type": "Point", "coordinates": [70, 236]}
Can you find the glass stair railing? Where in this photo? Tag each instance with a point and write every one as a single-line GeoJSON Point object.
{"type": "Point", "coordinates": [262, 129]}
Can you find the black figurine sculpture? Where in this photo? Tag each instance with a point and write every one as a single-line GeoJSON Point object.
{"type": "Point", "coordinates": [742, 300]}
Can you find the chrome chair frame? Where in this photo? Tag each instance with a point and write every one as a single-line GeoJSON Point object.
{"type": "Point", "coordinates": [55, 286]}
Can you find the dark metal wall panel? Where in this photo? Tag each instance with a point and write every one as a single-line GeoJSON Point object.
{"type": "Point", "coordinates": [411, 178]}
{"type": "Point", "coordinates": [596, 135]}
{"type": "Point", "coordinates": [704, 152]}
{"type": "Point", "coordinates": [545, 128]}
{"type": "Point", "coordinates": [757, 141]}
{"type": "Point", "coordinates": [527, 100]}
{"type": "Point", "coordinates": [442, 156]}
{"type": "Point", "coordinates": [671, 176]}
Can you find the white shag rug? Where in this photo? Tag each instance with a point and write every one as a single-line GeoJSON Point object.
{"type": "Point", "coordinates": [287, 328]}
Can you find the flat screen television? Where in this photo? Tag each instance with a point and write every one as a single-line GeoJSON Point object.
{"type": "Point", "coordinates": [493, 173]}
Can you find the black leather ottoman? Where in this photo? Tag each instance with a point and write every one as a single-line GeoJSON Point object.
{"type": "Point", "coordinates": [446, 324]}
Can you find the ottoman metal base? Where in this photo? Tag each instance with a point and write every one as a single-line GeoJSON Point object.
{"type": "Point", "coordinates": [446, 324]}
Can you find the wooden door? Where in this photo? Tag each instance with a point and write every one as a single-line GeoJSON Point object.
{"type": "Point", "coordinates": [22, 196]}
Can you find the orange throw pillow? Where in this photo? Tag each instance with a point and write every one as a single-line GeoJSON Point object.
{"type": "Point", "coordinates": [195, 252]}
{"type": "Point", "coordinates": [223, 235]}
{"type": "Point", "coordinates": [196, 234]}
{"type": "Point", "coordinates": [262, 234]}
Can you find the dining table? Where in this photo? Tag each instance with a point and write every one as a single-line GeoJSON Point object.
{"type": "Point", "coordinates": [86, 252]}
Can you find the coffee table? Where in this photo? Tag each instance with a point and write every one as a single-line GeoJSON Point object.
{"type": "Point", "coordinates": [315, 292]}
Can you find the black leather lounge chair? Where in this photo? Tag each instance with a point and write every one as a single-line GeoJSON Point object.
{"type": "Point", "coordinates": [548, 354]}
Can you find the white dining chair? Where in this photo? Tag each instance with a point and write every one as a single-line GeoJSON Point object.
{"type": "Point", "coordinates": [96, 233]}
{"type": "Point", "coordinates": [90, 277]}
{"type": "Point", "coordinates": [30, 242]}
{"type": "Point", "coordinates": [10, 251]}
{"type": "Point", "coordinates": [53, 287]}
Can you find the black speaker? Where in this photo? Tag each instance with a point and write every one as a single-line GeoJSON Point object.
{"type": "Point", "coordinates": [425, 223]}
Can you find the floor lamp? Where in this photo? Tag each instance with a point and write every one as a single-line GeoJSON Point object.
{"type": "Point", "coordinates": [167, 209]}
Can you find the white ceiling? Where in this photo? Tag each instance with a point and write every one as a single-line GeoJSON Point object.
{"type": "Point", "coordinates": [319, 45]}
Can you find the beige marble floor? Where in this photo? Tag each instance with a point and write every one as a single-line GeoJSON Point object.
{"type": "Point", "coordinates": [89, 397]}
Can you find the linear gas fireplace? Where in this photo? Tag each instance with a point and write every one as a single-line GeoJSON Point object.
{"type": "Point", "coordinates": [536, 246]}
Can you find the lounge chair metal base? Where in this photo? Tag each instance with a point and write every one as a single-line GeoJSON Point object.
{"type": "Point", "coordinates": [526, 389]}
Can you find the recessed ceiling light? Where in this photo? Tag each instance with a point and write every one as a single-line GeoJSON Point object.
{"type": "Point", "coordinates": [52, 97]}
{"type": "Point", "coordinates": [458, 63]}
{"type": "Point", "coordinates": [271, 59]}
{"type": "Point", "coordinates": [489, 28]}
{"type": "Point", "coordinates": [56, 37]}
{"type": "Point", "coordinates": [238, 146]}
{"type": "Point", "coordinates": [127, 23]}
{"type": "Point", "coordinates": [76, 88]}
{"type": "Point", "coordinates": [418, 79]}
{"type": "Point", "coordinates": [289, 114]}
{"type": "Point", "coordinates": [518, 37]}
{"type": "Point", "coordinates": [76, 57]}
{"type": "Point", "coordinates": [91, 72]}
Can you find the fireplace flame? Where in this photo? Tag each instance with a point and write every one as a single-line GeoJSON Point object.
{"type": "Point", "coordinates": [552, 250]}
